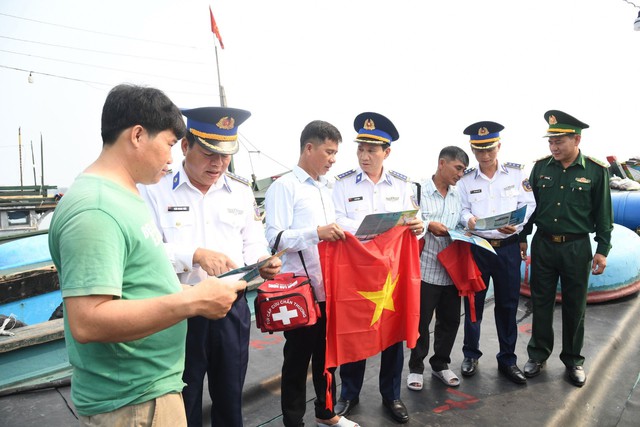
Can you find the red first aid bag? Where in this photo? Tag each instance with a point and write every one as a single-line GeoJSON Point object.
{"type": "Point", "coordinates": [286, 302]}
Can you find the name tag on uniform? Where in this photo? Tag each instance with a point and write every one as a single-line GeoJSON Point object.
{"type": "Point", "coordinates": [178, 208]}
{"type": "Point", "coordinates": [476, 191]}
{"type": "Point", "coordinates": [355, 199]}
{"type": "Point", "coordinates": [510, 187]}
{"type": "Point", "coordinates": [393, 198]}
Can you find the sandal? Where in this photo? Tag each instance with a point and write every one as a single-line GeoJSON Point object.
{"type": "Point", "coordinates": [414, 382]}
{"type": "Point", "coordinates": [448, 377]}
{"type": "Point", "coordinates": [342, 422]}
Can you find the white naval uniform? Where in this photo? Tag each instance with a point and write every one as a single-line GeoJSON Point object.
{"type": "Point", "coordinates": [224, 220]}
{"type": "Point", "coordinates": [356, 196]}
{"type": "Point", "coordinates": [484, 197]}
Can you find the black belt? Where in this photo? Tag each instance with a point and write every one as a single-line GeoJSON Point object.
{"type": "Point", "coordinates": [562, 238]}
{"type": "Point", "coordinates": [500, 243]}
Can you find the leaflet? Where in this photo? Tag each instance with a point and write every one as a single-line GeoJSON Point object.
{"type": "Point", "coordinates": [475, 240]}
{"type": "Point", "coordinates": [375, 224]}
{"type": "Point", "coordinates": [249, 272]}
{"type": "Point", "coordinates": [498, 221]}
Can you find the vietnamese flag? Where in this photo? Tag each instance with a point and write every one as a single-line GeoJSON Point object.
{"type": "Point", "coordinates": [373, 294]}
{"type": "Point", "coordinates": [214, 28]}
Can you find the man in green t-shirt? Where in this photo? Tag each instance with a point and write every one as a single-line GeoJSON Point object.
{"type": "Point", "coordinates": [124, 307]}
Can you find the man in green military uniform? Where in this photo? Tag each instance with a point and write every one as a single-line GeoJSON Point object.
{"type": "Point", "coordinates": [572, 200]}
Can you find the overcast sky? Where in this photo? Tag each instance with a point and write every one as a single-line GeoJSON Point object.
{"type": "Point", "coordinates": [431, 67]}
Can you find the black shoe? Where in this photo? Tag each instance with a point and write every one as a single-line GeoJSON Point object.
{"type": "Point", "coordinates": [469, 366]}
{"type": "Point", "coordinates": [532, 368]}
{"type": "Point", "coordinates": [343, 407]}
{"type": "Point", "coordinates": [513, 373]}
{"type": "Point", "coordinates": [576, 375]}
{"type": "Point", "coordinates": [397, 410]}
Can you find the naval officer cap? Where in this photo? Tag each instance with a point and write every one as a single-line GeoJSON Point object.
{"type": "Point", "coordinates": [374, 128]}
{"type": "Point", "coordinates": [561, 123]}
{"type": "Point", "coordinates": [484, 135]}
{"type": "Point", "coordinates": [216, 128]}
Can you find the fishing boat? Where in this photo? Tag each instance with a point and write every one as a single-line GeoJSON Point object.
{"type": "Point", "coordinates": [26, 209]}
{"type": "Point", "coordinates": [32, 348]}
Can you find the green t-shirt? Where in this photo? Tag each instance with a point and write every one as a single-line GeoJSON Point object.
{"type": "Point", "coordinates": [103, 242]}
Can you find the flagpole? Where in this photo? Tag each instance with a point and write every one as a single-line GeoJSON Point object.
{"type": "Point", "coordinates": [223, 96]}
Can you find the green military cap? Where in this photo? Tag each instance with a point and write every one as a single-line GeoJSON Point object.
{"type": "Point", "coordinates": [561, 123]}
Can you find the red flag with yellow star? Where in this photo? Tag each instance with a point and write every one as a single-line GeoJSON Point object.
{"type": "Point", "coordinates": [373, 294]}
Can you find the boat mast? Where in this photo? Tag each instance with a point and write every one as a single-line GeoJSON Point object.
{"type": "Point", "coordinates": [42, 165]}
{"type": "Point", "coordinates": [20, 152]}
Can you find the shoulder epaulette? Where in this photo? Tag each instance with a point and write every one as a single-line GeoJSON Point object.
{"type": "Point", "coordinates": [542, 158]}
{"type": "Point", "coordinates": [400, 176]}
{"type": "Point", "coordinates": [345, 174]}
{"type": "Point", "coordinates": [514, 165]}
{"type": "Point", "coordinates": [597, 161]}
{"type": "Point", "coordinates": [238, 178]}
{"type": "Point", "coordinates": [469, 170]}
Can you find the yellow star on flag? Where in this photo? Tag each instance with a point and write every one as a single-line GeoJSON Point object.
{"type": "Point", "coordinates": [383, 299]}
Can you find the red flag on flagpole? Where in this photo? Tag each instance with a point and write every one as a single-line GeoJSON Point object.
{"type": "Point", "coordinates": [373, 295]}
{"type": "Point", "coordinates": [214, 28]}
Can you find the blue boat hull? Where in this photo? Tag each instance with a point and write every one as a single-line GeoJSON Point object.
{"type": "Point", "coordinates": [620, 278]}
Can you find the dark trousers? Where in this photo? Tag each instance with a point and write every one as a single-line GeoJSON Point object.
{"type": "Point", "coordinates": [303, 345]}
{"type": "Point", "coordinates": [571, 263]}
{"type": "Point", "coordinates": [391, 363]}
{"type": "Point", "coordinates": [444, 300]}
{"type": "Point", "coordinates": [219, 348]}
{"type": "Point", "coordinates": [504, 269]}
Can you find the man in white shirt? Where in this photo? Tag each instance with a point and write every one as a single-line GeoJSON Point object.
{"type": "Point", "coordinates": [494, 188]}
{"type": "Point", "coordinates": [357, 193]}
{"type": "Point", "coordinates": [210, 224]}
{"type": "Point", "coordinates": [299, 209]}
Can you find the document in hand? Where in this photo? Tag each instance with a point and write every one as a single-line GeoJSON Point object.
{"type": "Point", "coordinates": [470, 238]}
{"type": "Point", "coordinates": [498, 221]}
{"type": "Point", "coordinates": [249, 272]}
{"type": "Point", "coordinates": [375, 224]}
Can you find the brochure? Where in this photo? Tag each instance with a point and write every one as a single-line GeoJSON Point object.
{"type": "Point", "coordinates": [249, 272]}
{"type": "Point", "coordinates": [375, 224]}
{"type": "Point", "coordinates": [475, 240]}
{"type": "Point", "coordinates": [498, 221]}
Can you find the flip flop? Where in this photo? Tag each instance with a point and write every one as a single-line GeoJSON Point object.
{"type": "Point", "coordinates": [342, 422]}
{"type": "Point", "coordinates": [448, 377]}
{"type": "Point", "coordinates": [414, 382]}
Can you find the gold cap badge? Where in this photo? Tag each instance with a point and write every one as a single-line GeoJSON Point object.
{"type": "Point", "coordinates": [552, 120]}
{"type": "Point", "coordinates": [369, 125]}
{"type": "Point", "coordinates": [483, 131]}
{"type": "Point", "coordinates": [226, 123]}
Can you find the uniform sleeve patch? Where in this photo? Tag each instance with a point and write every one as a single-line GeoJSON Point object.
{"type": "Point", "coordinates": [526, 185]}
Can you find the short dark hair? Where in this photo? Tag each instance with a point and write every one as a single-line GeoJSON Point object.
{"type": "Point", "coordinates": [129, 105]}
{"type": "Point", "coordinates": [191, 139]}
{"type": "Point", "coordinates": [452, 153]}
{"type": "Point", "coordinates": [317, 132]}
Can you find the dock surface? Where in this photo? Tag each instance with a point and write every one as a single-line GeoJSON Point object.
{"type": "Point", "coordinates": [609, 398]}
